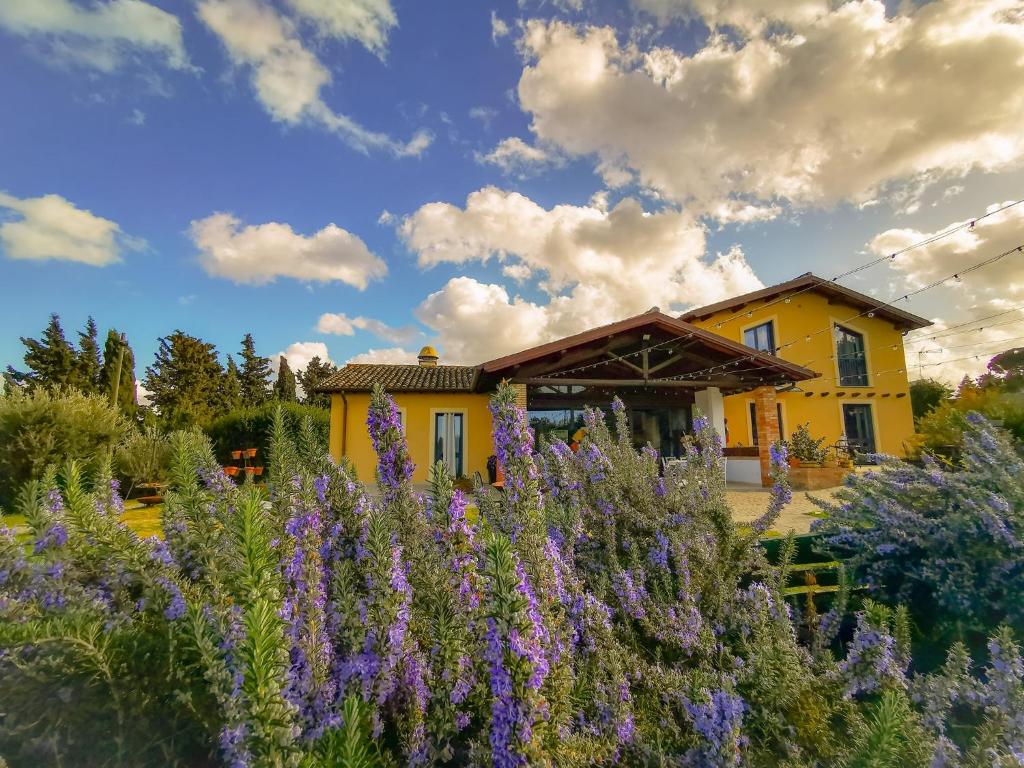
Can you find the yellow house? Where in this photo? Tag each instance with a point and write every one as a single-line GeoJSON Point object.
{"type": "Point", "coordinates": [663, 368]}
{"type": "Point", "coordinates": [853, 341]}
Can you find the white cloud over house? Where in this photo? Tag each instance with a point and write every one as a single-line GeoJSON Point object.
{"type": "Point", "coordinates": [259, 253]}
{"type": "Point", "coordinates": [803, 103]}
{"type": "Point", "coordinates": [52, 227]}
{"type": "Point", "coordinates": [595, 265]}
{"type": "Point", "coordinates": [340, 324]}
{"type": "Point", "coordinates": [387, 355]}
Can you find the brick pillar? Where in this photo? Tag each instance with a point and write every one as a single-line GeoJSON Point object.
{"type": "Point", "coordinates": [520, 395]}
{"type": "Point", "coordinates": [767, 413]}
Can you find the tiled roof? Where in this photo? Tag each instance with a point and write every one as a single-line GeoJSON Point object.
{"type": "Point", "coordinates": [360, 377]}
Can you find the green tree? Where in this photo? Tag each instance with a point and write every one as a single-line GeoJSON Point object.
{"type": "Point", "coordinates": [185, 380]}
{"type": "Point", "coordinates": [927, 394]}
{"type": "Point", "coordinates": [284, 387]}
{"type": "Point", "coordinates": [232, 390]}
{"type": "Point", "coordinates": [88, 358]}
{"type": "Point", "coordinates": [311, 378]}
{"type": "Point", "coordinates": [117, 350]}
{"type": "Point", "coordinates": [254, 377]}
{"type": "Point", "coordinates": [52, 361]}
{"type": "Point", "coordinates": [1005, 370]}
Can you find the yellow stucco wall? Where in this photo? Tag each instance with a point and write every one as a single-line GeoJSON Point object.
{"type": "Point", "coordinates": [887, 392]}
{"type": "Point", "coordinates": [417, 411]}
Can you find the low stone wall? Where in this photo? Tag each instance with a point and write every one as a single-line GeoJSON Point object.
{"type": "Point", "coordinates": [816, 478]}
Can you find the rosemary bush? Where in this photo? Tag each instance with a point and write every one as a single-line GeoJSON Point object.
{"type": "Point", "coordinates": [946, 541]}
{"type": "Point", "coordinates": [594, 613]}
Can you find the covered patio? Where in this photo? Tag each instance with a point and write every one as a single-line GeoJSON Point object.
{"type": "Point", "coordinates": [661, 367]}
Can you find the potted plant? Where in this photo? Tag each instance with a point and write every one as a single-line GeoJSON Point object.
{"type": "Point", "coordinates": [808, 450]}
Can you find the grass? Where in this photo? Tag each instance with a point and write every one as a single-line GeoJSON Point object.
{"type": "Point", "coordinates": [145, 521]}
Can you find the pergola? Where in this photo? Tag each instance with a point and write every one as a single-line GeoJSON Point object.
{"type": "Point", "coordinates": [649, 360]}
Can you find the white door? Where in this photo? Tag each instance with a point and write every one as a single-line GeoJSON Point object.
{"type": "Point", "coordinates": [449, 431]}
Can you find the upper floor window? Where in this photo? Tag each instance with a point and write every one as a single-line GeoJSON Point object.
{"type": "Point", "coordinates": [852, 359]}
{"type": "Point", "coordinates": [761, 337]}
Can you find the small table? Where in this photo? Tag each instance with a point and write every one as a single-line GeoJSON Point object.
{"type": "Point", "coordinates": [154, 498]}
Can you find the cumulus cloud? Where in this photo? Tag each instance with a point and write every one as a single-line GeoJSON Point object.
{"type": "Point", "coordinates": [597, 265]}
{"type": "Point", "coordinates": [299, 354]}
{"type": "Point", "coordinates": [848, 103]}
{"type": "Point", "coordinates": [259, 253]}
{"type": "Point", "coordinates": [990, 290]}
{"type": "Point", "coordinates": [389, 356]}
{"type": "Point", "coordinates": [499, 28]}
{"type": "Point", "coordinates": [99, 35]}
{"type": "Point", "coordinates": [514, 156]}
{"type": "Point", "coordinates": [750, 16]}
{"type": "Point", "coordinates": [342, 325]}
{"type": "Point", "coordinates": [51, 227]}
{"type": "Point", "coordinates": [367, 21]}
{"type": "Point", "coordinates": [286, 76]}
{"type": "Point", "coordinates": [963, 352]}
{"type": "Point", "coordinates": [988, 237]}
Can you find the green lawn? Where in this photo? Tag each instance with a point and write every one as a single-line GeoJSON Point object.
{"type": "Point", "coordinates": [145, 521]}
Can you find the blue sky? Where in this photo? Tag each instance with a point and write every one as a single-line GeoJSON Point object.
{"type": "Point", "coordinates": [517, 171]}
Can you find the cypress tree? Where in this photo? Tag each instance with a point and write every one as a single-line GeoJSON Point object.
{"type": "Point", "coordinates": [311, 378]}
{"type": "Point", "coordinates": [116, 349]}
{"type": "Point", "coordinates": [232, 397]}
{"type": "Point", "coordinates": [284, 387]}
{"type": "Point", "coordinates": [254, 378]}
{"type": "Point", "coordinates": [185, 380]}
{"type": "Point", "coordinates": [88, 362]}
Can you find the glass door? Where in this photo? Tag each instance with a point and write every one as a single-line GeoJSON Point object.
{"type": "Point", "coordinates": [448, 440]}
{"type": "Point", "coordinates": [860, 431]}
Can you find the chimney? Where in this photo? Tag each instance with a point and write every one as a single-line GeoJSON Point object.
{"type": "Point", "coordinates": [428, 357]}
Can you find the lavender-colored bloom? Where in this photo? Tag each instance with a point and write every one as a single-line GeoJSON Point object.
{"type": "Point", "coordinates": [870, 661]}
{"type": "Point", "coordinates": [506, 710]}
{"type": "Point", "coordinates": [55, 537]}
{"type": "Point", "coordinates": [631, 594]}
{"type": "Point", "coordinates": [719, 722]}
{"type": "Point", "coordinates": [176, 604]}
{"type": "Point", "coordinates": [394, 467]}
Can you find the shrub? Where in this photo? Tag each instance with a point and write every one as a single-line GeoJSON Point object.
{"type": "Point", "coordinates": [143, 457]}
{"type": "Point", "coordinates": [805, 447]}
{"type": "Point", "coordinates": [250, 427]}
{"type": "Point", "coordinates": [43, 427]}
{"type": "Point", "coordinates": [945, 541]}
{"type": "Point", "coordinates": [595, 614]}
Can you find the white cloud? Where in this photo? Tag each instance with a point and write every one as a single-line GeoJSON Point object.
{"type": "Point", "coordinates": [367, 21]}
{"type": "Point", "coordinates": [287, 76]}
{"type": "Point", "coordinates": [514, 156]}
{"type": "Point", "coordinates": [598, 265]}
{"type": "Point", "coordinates": [138, 117]}
{"type": "Point", "coordinates": [299, 354]}
{"type": "Point", "coordinates": [748, 16]}
{"type": "Point", "coordinates": [990, 236]}
{"type": "Point", "coordinates": [388, 356]}
{"type": "Point", "coordinates": [99, 35]}
{"type": "Point", "coordinates": [258, 253]}
{"type": "Point", "coordinates": [963, 352]}
{"type": "Point", "coordinates": [342, 325]}
{"type": "Point", "coordinates": [518, 272]}
{"type": "Point", "coordinates": [485, 115]}
{"type": "Point", "coordinates": [50, 227]}
{"type": "Point", "coordinates": [847, 104]}
{"type": "Point", "coordinates": [499, 28]}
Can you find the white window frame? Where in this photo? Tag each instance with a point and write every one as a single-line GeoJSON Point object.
{"type": "Point", "coordinates": [465, 436]}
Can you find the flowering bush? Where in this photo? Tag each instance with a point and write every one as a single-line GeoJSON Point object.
{"type": "Point", "coordinates": [595, 613]}
{"type": "Point", "coordinates": [947, 542]}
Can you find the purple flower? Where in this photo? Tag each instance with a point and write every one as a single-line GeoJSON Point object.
{"type": "Point", "coordinates": [718, 721]}
{"type": "Point", "coordinates": [870, 661]}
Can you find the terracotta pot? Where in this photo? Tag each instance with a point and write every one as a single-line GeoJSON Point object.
{"type": "Point", "coordinates": [251, 453]}
{"type": "Point", "coordinates": [257, 471]}
{"type": "Point", "coordinates": [250, 470]}
{"type": "Point", "coordinates": [793, 461]}
{"type": "Point", "coordinates": [231, 471]}
{"type": "Point", "coordinates": [236, 454]}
